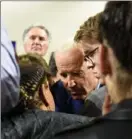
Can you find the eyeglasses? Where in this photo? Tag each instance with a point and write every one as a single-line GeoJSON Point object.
{"type": "Point", "coordinates": [88, 59]}
{"type": "Point", "coordinates": [90, 56]}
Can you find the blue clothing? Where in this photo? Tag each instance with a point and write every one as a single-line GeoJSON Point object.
{"type": "Point", "coordinates": [10, 74]}
{"type": "Point", "coordinates": [64, 101]}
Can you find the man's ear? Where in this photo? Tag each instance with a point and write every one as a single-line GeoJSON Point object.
{"type": "Point", "coordinates": [105, 65]}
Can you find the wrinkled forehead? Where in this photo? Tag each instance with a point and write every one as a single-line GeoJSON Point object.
{"type": "Point", "coordinates": [69, 59]}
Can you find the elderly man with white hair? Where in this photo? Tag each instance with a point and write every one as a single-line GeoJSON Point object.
{"type": "Point", "coordinates": [75, 82]}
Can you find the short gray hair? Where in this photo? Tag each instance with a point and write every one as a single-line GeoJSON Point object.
{"type": "Point", "coordinates": [36, 26]}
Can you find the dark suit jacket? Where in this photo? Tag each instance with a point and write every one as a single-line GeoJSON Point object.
{"type": "Point", "coordinates": [63, 100]}
{"type": "Point", "coordinates": [115, 125]}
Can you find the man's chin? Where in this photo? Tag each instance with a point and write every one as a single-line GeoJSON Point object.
{"type": "Point", "coordinates": [78, 97]}
{"type": "Point", "coordinates": [37, 52]}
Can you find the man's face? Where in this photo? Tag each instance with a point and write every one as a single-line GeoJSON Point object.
{"type": "Point", "coordinates": [36, 41]}
{"type": "Point", "coordinates": [91, 54]}
{"type": "Point", "coordinates": [72, 74]}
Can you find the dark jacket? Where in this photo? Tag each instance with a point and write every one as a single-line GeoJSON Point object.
{"type": "Point", "coordinates": [63, 100]}
{"type": "Point", "coordinates": [37, 124]}
{"type": "Point", "coordinates": [115, 125]}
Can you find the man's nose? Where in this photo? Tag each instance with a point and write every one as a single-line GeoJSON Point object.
{"type": "Point", "coordinates": [37, 41]}
{"type": "Point", "coordinates": [71, 82]}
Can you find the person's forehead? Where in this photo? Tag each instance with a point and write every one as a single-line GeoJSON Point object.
{"type": "Point", "coordinates": [89, 46]}
{"type": "Point", "coordinates": [37, 32]}
{"type": "Point", "coordinates": [66, 63]}
{"type": "Point", "coordinates": [69, 68]}
{"type": "Point", "coordinates": [71, 56]}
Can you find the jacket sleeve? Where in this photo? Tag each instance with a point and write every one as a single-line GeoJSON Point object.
{"type": "Point", "coordinates": [10, 74]}
{"type": "Point", "coordinates": [94, 103]}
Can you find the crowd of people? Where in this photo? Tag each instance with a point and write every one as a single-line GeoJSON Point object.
{"type": "Point", "coordinates": [85, 91]}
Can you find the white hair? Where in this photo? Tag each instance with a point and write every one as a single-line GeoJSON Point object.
{"type": "Point", "coordinates": [38, 26]}
{"type": "Point", "coordinates": [66, 46]}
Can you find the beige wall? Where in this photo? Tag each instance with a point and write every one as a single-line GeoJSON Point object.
{"type": "Point", "coordinates": [61, 18]}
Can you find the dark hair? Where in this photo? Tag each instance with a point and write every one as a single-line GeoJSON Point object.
{"type": "Point", "coordinates": [52, 64]}
{"type": "Point", "coordinates": [116, 29]}
{"type": "Point", "coordinates": [34, 73]}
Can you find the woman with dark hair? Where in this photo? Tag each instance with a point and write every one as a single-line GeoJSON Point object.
{"type": "Point", "coordinates": [34, 117]}
{"type": "Point", "coordinates": [34, 83]}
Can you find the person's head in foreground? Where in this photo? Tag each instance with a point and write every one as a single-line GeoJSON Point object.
{"type": "Point", "coordinates": [73, 72]}
{"type": "Point", "coordinates": [88, 38]}
{"type": "Point", "coordinates": [116, 51]}
{"type": "Point", "coordinates": [53, 68]}
{"type": "Point", "coordinates": [34, 73]}
{"type": "Point", "coordinates": [36, 39]}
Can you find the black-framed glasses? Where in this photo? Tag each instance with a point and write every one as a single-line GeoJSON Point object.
{"type": "Point", "coordinates": [93, 52]}
{"type": "Point", "coordinates": [88, 59]}
{"type": "Point", "coordinates": [90, 55]}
